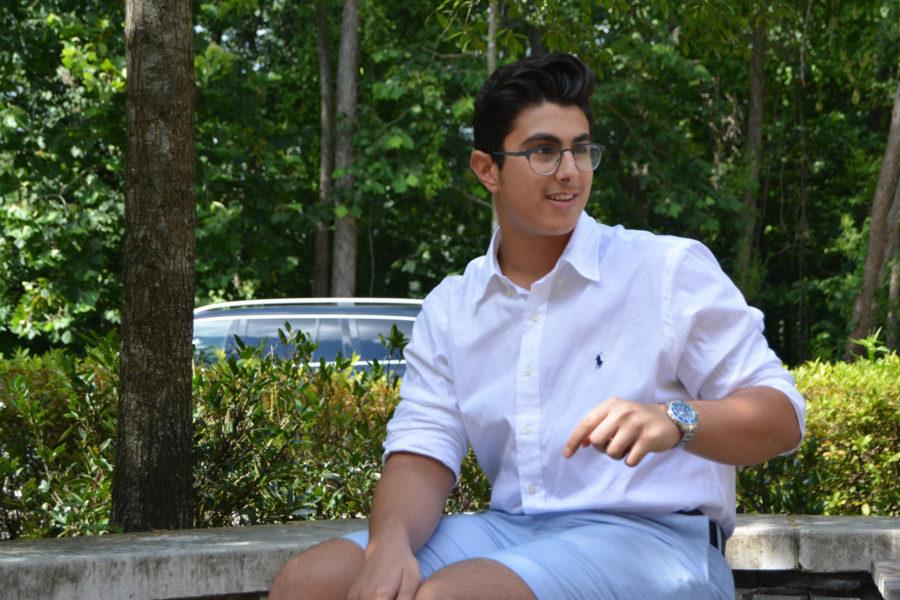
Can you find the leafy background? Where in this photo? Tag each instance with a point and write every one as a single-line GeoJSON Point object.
{"type": "Point", "coordinates": [670, 107]}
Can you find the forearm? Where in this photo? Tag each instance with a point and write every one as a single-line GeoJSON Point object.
{"type": "Point", "coordinates": [747, 427]}
{"type": "Point", "coordinates": [409, 500]}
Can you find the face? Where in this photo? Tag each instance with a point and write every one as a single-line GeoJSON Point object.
{"type": "Point", "coordinates": [532, 206]}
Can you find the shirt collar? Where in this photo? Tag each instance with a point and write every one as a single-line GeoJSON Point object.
{"type": "Point", "coordinates": [582, 253]}
{"type": "Point", "coordinates": [583, 250]}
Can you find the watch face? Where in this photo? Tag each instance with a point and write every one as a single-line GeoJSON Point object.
{"type": "Point", "coordinates": [684, 413]}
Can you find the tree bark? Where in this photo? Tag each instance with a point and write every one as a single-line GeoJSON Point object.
{"type": "Point", "coordinates": [892, 265]}
{"type": "Point", "coordinates": [893, 221]}
{"type": "Point", "coordinates": [152, 481]}
{"type": "Point", "coordinates": [879, 235]}
{"type": "Point", "coordinates": [893, 296]}
{"type": "Point", "coordinates": [326, 155]}
{"type": "Point", "coordinates": [343, 283]}
{"type": "Point", "coordinates": [752, 152]}
{"type": "Point", "coordinates": [535, 43]}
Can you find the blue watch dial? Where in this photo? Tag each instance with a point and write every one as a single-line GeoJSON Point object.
{"type": "Point", "coordinates": [684, 413]}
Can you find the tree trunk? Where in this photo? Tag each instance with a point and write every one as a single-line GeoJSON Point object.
{"type": "Point", "coordinates": [535, 43]}
{"type": "Point", "coordinates": [326, 155]}
{"type": "Point", "coordinates": [892, 265]}
{"type": "Point", "coordinates": [893, 222]}
{"type": "Point", "coordinates": [493, 16]}
{"type": "Point", "coordinates": [152, 481]}
{"type": "Point", "coordinates": [343, 281]}
{"type": "Point", "coordinates": [752, 151]}
{"type": "Point", "coordinates": [893, 296]}
{"type": "Point", "coordinates": [879, 234]}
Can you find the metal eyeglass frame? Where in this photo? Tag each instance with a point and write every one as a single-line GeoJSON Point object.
{"type": "Point", "coordinates": [527, 154]}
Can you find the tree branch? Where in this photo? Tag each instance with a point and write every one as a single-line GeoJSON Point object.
{"type": "Point", "coordinates": [471, 197]}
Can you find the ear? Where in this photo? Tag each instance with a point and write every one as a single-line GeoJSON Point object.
{"type": "Point", "coordinates": [485, 169]}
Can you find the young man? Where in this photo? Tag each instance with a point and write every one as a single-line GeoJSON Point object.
{"type": "Point", "coordinates": [606, 379]}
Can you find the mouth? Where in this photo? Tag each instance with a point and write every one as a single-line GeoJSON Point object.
{"type": "Point", "coordinates": [562, 198]}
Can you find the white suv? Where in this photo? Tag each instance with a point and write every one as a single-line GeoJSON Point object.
{"type": "Point", "coordinates": [346, 325]}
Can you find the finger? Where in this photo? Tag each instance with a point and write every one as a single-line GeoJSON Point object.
{"type": "Point", "coordinates": [638, 451]}
{"type": "Point", "coordinates": [579, 435]}
{"type": "Point", "coordinates": [602, 436]}
{"type": "Point", "coordinates": [621, 442]}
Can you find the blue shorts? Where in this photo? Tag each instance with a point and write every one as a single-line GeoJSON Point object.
{"type": "Point", "coordinates": [587, 554]}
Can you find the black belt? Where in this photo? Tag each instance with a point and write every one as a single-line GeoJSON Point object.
{"type": "Point", "coordinates": [716, 535]}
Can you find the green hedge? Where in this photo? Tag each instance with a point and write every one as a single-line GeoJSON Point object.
{"type": "Point", "coordinates": [281, 440]}
{"type": "Point", "coordinates": [849, 462]}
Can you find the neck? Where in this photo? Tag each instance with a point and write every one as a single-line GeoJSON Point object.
{"type": "Point", "coordinates": [525, 261]}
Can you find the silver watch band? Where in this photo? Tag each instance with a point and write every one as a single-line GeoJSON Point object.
{"type": "Point", "coordinates": [684, 417]}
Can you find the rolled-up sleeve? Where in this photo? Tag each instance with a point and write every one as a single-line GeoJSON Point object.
{"type": "Point", "coordinates": [427, 419]}
{"type": "Point", "coordinates": [717, 338]}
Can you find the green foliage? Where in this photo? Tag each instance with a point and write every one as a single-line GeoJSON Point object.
{"type": "Point", "coordinates": [872, 345]}
{"type": "Point", "coordinates": [849, 463]}
{"type": "Point", "coordinates": [278, 440]}
{"type": "Point", "coordinates": [275, 440]}
{"type": "Point", "coordinates": [670, 106]}
{"type": "Point", "coordinates": [57, 425]}
{"type": "Point", "coordinates": [257, 148]}
{"type": "Point", "coordinates": [61, 137]}
{"type": "Point", "coordinates": [282, 439]}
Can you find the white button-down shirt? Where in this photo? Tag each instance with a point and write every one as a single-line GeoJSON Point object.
{"type": "Point", "coordinates": [511, 372]}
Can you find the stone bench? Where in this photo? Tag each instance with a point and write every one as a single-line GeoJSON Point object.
{"type": "Point", "coordinates": [773, 557]}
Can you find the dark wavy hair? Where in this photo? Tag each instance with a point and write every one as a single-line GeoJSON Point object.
{"type": "Point", "coordinates": [558, 78]}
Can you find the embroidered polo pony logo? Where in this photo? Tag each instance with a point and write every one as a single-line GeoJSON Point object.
{"type": "Point", "coordinates": [598, 361]}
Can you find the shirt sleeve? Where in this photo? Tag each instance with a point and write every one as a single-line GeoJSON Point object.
{"type": "Point", "coordinates": [717, 338]}
{"type": "Point", "coordinates": [427, 420]}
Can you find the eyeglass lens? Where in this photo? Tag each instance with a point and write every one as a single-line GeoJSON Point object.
{"type": "Point", "coordinates": [546, 160]}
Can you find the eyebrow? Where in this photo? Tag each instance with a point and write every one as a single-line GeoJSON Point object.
{"type": "Point", "coordinates": [549, 137]}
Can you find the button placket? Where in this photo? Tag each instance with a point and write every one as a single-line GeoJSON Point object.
{"type": "Point", "coordinates": [528, 400]}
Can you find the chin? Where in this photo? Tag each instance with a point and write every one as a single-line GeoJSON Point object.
{"type": "Point", "coordinates": [555, 229]}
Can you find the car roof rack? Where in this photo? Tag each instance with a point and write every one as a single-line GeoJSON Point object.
{"type": "Point", "coordinates": [289, 301]}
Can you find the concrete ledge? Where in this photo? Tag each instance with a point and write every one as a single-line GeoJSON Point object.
{"type": "Point", "coordinates": [233, 561]}
{"type": "Point", "coordinates": [168, 564]}
{"type": "Point", "coordinates": [812, 543]}
{"type": "Point", "coordinates": [886, 574]}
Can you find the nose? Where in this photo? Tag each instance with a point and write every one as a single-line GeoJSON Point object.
{"type": "Point", "coordinates": [567, 169]}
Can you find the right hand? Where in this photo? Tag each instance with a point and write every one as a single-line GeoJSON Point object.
{"type": "Point", "coordinates": [390, 572]}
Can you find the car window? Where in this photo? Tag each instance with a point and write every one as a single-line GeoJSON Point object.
{"type": "Point", "coordinates": [330, 337]}
{"type": "Point", "coordinates": [209, 334]}
{"type": "Point", "coordinates": [265, 331]}
{"type": "Point", "coordinates": [333, 333]}
{"type": "Point", "coordinates": [365, 332]}
{"type": "Point", "coordinates": [326, 332]}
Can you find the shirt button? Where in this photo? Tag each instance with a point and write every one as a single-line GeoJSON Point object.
{"type": "Point", "coordinates": [526, 430]}
{"type": "Point", "coordinates": [532, 489]}
{"type": "Point", "coordinates": [533, 318]}
{"type": "Point", "coordinates": [528, 371]}
{"type": "Point", "coordinates": [508, 291]}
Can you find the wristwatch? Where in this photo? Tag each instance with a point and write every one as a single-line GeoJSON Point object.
{"type": "Point", "coordinates": [685, 417]}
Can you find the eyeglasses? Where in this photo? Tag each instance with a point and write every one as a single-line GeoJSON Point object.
{"type": "Point", "coordinates": [545, 160]}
